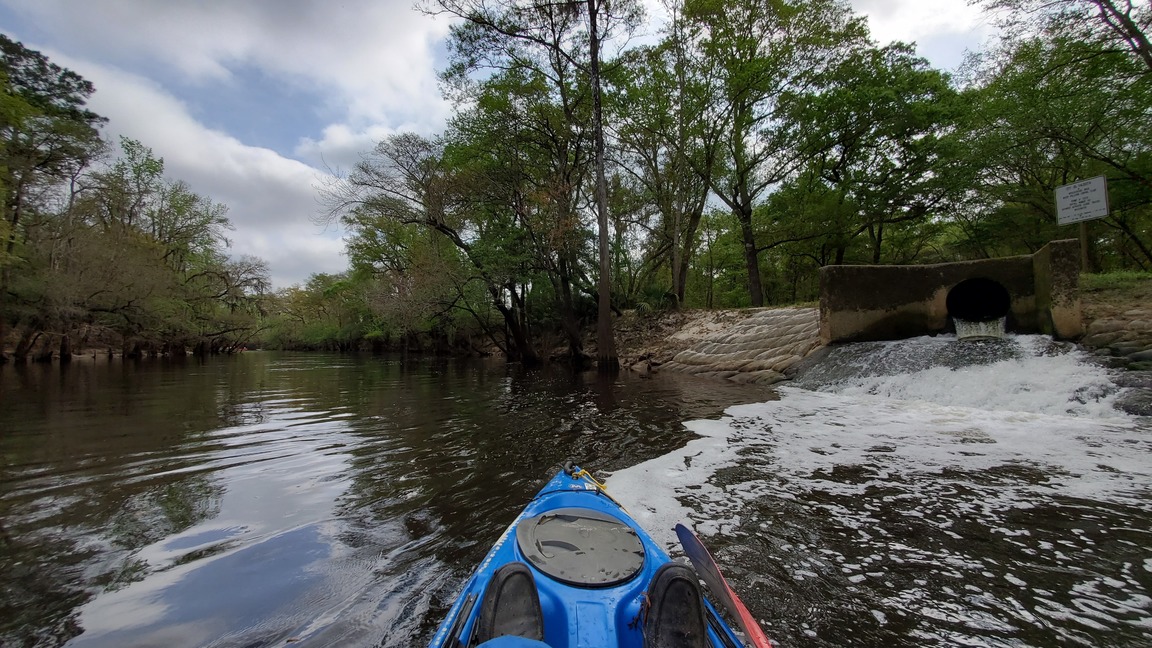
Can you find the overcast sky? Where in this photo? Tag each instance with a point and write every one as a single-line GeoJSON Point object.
{"type": "Point", "coordinates": [251, 102]}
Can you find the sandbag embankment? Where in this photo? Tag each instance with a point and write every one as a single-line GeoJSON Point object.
{"type": "Point", "coordinates": [755, 348]}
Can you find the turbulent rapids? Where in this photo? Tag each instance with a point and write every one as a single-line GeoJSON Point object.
{"type": "Point", "coordinates": [926, 492]}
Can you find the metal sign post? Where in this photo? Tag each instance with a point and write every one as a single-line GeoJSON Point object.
{"type": "Point", "coordinates": [1081, 202]}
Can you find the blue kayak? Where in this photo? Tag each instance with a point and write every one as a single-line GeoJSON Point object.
{"type": "Point", "coordinates": [574, 570]}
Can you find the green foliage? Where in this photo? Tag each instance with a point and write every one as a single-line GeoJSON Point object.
{"type": "Point", "coordinates": [46, 87]}
{"type": "Point", "coordinates": [322, 314]}
{"type": "Point", "coordinates": [1052, 108]}
{"type": "Point", "coordinates": [109, 255]}
{"type": "Point", "coordinates": [879, 154]}
{"type": "Point", "coordinates": [820, 146]}
{"type": "Point", "coordinates": [46, 133]}
{"type": "Point", "coordinates": [1121, 27]}
{"type": "Point", "coordinates": [755, 143]}
{"type": "Point", "coordinates": [1118, 280]}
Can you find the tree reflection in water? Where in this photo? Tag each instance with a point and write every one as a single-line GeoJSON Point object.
{"type": "Point", "coordinates": [271, 497]}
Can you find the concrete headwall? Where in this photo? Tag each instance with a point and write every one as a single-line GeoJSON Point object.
{"type": "Point", "coordinates": [1057, 270]}
{"type": "Point", "coordinates": [859, 303]}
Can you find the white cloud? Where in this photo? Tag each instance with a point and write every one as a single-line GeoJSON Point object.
{"type": "Point", "coordinates": [293, 252]}
{"type": "Point", "coordinates": [915, 19]}
{"type": "Point", "coordinates": [341, 147]}
{"type": "Point", "coordinates": [272, 200]}
{"type": "Point", "coordinates": [372, 61]}
{"type": "Point", "coordinates": [942, 29]}
{"type": "Point", "coordinates": [367, 64]}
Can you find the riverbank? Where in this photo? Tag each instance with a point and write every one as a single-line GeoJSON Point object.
{"type": "Point", "coordinates": [759, 345]}
{"type": "Point", "coordinates": [1118, 319]}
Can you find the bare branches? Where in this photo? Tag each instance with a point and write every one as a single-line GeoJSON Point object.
{"type": "Point", "coordinates": [1125, 23]}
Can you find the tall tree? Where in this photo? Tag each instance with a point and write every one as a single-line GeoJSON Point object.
{"type": "Point", "coordinates": [405, 181]}
{"type": "Point", "coordinates": [667, 132]}
{"type": "Point", "coordinates": [549, 39]}
{"type": "Point", "coordinates": [125, 253]}
{"type": "Point", "coordinates": [46, 137]}
{"type": "Point", "coordinates": [521, 164]}
{"type": "Point", "coordinates": [606, 359]}
{"type": "Point", "coordinates": [878, 132]}
{"type": "Point", "coordinates": [763, 50]}
{"type": "Point", "coordinates": [1053, 108]}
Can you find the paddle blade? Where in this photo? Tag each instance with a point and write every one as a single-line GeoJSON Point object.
{"type": "Point", "coordinates": [709, 572]}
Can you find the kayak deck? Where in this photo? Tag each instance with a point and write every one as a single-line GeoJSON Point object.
{"type": "Point", "coordinates": [592, 565]}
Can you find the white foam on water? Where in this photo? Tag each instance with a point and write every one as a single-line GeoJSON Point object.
{"type": "Point", "coordinates": [1038, 380]}
{"type": "Point", "coordinates": [808, 434]}
{"type": "Point", "coordinates": [940, 446]}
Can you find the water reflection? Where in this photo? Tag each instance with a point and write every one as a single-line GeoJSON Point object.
{"type": "Point", "coordinates": [269, 498]}
{"type": "Point", "coordinates": [974, 496]}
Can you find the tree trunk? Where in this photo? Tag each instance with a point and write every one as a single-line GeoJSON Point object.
{"type": "Point", "coordinates": [677, 279]}
{"type": "Point", "coordinates": [24, 346]}
{"type": "Point", "coordinates": [3, 309]}
{"type": "Point", "coordinates": [876, 233]}
{"type": "Point", "coordinates": [65, 349]}
{"type": "Point", "coordinates": [751, 256]}
{"type": "Point", "coordinates": [1132, 236]}
{"type": "Point", "coordinates": [520, 347]}
{"type": "Point", "coordinates": [45, 352]}
{"type": "Point", "coordinates": [12, 215]}
{"type": "Point", "coordinates": [687, 243]}
{"type": "Point", "coordinates": [606, 358]}
{"type": "Point", "coordinates": [525, 353]}
{"type": "Point", "coordinates": [1121, 22]}
{"type": "Point", "coordinates": [568, 316]}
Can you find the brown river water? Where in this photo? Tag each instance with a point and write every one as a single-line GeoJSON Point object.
{"type": "Point", "coordinates": [322, 500]}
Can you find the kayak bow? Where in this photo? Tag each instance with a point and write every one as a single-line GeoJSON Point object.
{"type": "Point", "coordinates": [576, 563]}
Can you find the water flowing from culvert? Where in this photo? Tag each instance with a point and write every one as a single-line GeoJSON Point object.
{"type": "Point", "coordinates": [925, 493]}
{"type": "Point", "coordinates": [985, 330]}
{"type": "Point", "coordinates": [1027, 373]}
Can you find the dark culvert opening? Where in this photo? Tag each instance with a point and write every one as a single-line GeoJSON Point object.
{"type": "Point", "coordinates": [978, 300]}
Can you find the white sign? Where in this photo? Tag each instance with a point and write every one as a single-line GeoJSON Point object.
{"type": "Point", "coordinates": [1081, 201]}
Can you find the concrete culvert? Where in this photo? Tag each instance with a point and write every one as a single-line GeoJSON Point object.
{"type": "Point", "coordinates": [978, 300]}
